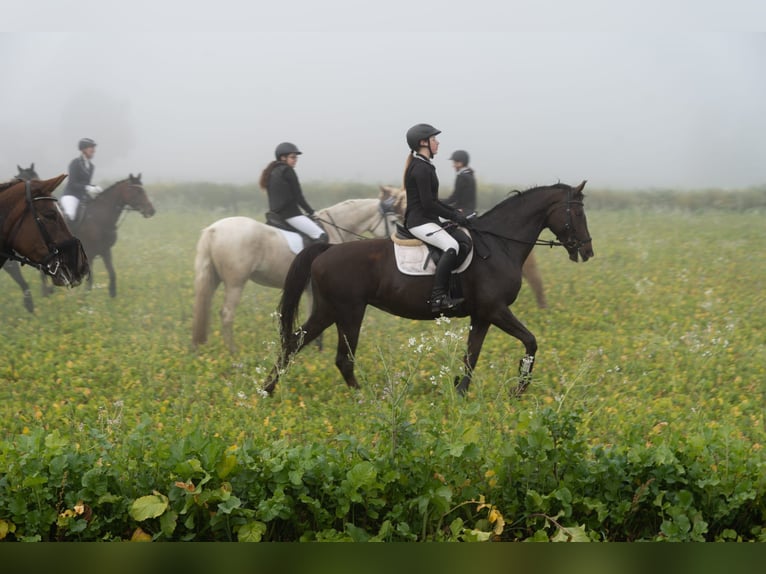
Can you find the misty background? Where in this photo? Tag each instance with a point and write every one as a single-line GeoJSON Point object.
{"type": "Point", "coordinates": [627, 95]}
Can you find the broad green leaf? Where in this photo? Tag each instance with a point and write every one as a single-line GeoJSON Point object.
{"type": "Point", "coordinates": [168, 522]}
{"type": "Point", "coordinates": [251, 532]}
{"type": "Point", "coordinates": [150, 506]}
{"type": "Point", "coordinates": [571, 534]}
{"type": "Point", "coordinates": [362, 474]}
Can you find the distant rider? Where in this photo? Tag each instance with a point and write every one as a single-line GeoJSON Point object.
{"type": "Point", "coordinates": [424, 211]}
{"type": "Point", "coordinates": [286, 198]}
{"type": "Point", "coordinates": [79, 182]}
{"type": "Point", "coordinates": [463, 196]}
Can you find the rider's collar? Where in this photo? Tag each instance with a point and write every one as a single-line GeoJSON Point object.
{"type": "Point", "coordinates": [422, 157]}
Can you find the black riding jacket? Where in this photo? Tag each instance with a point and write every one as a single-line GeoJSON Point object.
{"type": "Point", "coordinates": [422, 186]}
{"type": "Point", "coordinates": [80, 175]}
{"type": "Point", "coordinates": [464, 195]}
{"type": "Point", "coordinates": [285, 194]}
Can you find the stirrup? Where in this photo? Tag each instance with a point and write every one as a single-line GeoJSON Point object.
{"type": "Point", "coordinates": [444, 303]}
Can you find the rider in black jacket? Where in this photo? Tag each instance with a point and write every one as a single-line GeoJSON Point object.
{"type": "Point", "coordinates": [425, 212]}
{"type": "Point", "coordinates": [463, 196]}
{"type": "Point", "coordinates": [285, 194]}
{"type": "Point", "coordinates": [78, 184]}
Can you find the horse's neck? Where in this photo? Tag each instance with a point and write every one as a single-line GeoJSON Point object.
{"type": "Point", "coordinates": [521, 220]}
{"type": "Point", "coordinates": [107, 205]}
{"type": "Point", "coordinates": [355, 216]}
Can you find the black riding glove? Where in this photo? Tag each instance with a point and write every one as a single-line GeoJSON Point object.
{"type": "Point", "coordinates": [461, 220]}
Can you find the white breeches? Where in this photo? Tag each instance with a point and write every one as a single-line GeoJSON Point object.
{"type": "Point", "coordinates": [434, 234]}
{"type": "Point", "coordinates": [304, 224]}
{"type": "Point", "coordinates": [69, 205]}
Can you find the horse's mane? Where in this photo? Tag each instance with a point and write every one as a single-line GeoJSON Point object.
{"type": "Point", "coordinates": [516, 195]}
{"type": "Point", "coordinates": [116, 183]}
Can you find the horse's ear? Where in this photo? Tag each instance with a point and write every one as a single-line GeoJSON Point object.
{"type": "Point", "coordinates": [138, 177]}
{"type": "Point", "coordinates": [579, 188]}
{"type": "Point", "coordinates": [384, 191]}
{"type": "Point", "coordinates": [19, 168]}
{"type": "Point", "coordinates": [49, 185]}
{"type": "Point", "coordinates": [32, 166]}
{"type": "Point", "coordinates": [130, 175]}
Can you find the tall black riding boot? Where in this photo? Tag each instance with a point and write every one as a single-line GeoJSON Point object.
{"type": "Point", "coordinates": [440, 299]}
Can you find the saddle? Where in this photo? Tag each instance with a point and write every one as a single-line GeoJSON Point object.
{"type": "Point", "coordinates": [275, 220]}
{"type": "Point", "coordinates": [415, 257]}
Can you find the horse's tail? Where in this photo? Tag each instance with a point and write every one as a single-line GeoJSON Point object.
{"type": "Point", "coordinates": [295, 284]}
{"type": "Point", "coordinates": [206, 281]}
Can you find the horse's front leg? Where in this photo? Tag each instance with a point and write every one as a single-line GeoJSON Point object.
{"type": "Point", "coordinates": [107, 257]}
{"type": "Point", "coordinates": [508, 322]}
{"type": "Point", "coordinates": [45, 289]}
{"type": "Point", "coordinates": [476, 337]}
{"type": "Point", "coordinates": [14, 270]}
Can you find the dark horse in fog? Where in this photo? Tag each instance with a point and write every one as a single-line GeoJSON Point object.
{"type": "Point", "coordinates": [346, 278]}
{"type": "Point", "coordinates": [97, 228]}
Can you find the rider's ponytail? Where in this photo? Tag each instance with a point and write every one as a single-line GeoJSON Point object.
{"type": "Point", "coordinates": [406, 167]}
{"type": "Point", "coordinates": [266, 174]}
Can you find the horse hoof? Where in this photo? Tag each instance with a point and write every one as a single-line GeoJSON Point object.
{"type": "Point", "coordinates": [461, 385]}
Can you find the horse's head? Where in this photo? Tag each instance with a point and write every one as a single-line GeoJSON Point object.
{"type": "Point", "coordinates": [133, 194]}
{"type": "Point", "coordinates": [34, 229]}
{"type": "Point", "coordinates": [395, 199]}
{"type": "Point", "coordinates": [567, 221]}
{"type": "Point", "coordinates": [27, 173]}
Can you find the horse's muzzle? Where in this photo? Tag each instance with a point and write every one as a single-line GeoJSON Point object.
{"type": "Point", "coordinates": [67, 265]}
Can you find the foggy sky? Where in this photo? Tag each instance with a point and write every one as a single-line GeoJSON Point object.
{"type": "Point", "coordinates": [627, 95]}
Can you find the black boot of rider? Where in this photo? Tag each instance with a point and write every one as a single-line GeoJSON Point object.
{"type": "Point", "coordinates": [440, 299]}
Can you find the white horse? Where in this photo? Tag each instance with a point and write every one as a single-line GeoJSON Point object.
{"type": "Point", "coordinates": [235, 249]}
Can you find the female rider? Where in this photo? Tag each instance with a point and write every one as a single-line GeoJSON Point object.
{"type": "Point", "coordinates": [286, 199]}
{"type": "Point", "coordinates": [424, 211]}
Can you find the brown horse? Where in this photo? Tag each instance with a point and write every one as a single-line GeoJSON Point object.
{"type": "Point", "coordinates": [33, 231]}
{"type": "Point", "coordinates": [98, 227]}
{"type": "Point", "coordinates": [13, 268]}
{"type": "Point", "coordinates": [346, 278]}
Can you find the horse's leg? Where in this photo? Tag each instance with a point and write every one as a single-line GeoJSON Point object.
{"type": "Point", "coordinates": [476, 337]}
{"type": "Point", "coordinates": [531, 273]}
{"type": "Point", "coordinates": [508, 322]}
{"type": "Point", "coordinates": [107, 257]}
{"type": "Point", "coordinates": [309, 331]}
{"type": "Point", "coordinates": [14, 270]}
{"type": "Point", "coordinates": [348, 338]}
{"type": "Point", "coordinates": [310, 304]}
{"type": "Point", "coordinates": [45, 289]}
{"type": "Point", "coordinates": [231, 298]}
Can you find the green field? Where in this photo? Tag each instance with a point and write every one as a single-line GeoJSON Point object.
{"type": "Point", "coordinates": [644, 421]}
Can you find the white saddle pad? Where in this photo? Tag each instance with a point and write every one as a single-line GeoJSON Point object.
{"type": "Point", "coordinates": [294, 240]}
{"type": "Point", "coordinates": [411, 260]}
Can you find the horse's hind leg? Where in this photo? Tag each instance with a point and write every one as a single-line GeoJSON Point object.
{"type": "Point", "coordinates": [476, 337]}
{"type": "Point", "coordinates": [531, 273]}
{"type": "Point", "coordinates": [508, 322]}
{"type": "Point", "coordinates": [309, 331]}
{"type": "Point", "coordinates": [107, 257]}
{"type": "Point", "coordinates": [231, 299]}
{"type": "Point", "coordinates": [348, 338]}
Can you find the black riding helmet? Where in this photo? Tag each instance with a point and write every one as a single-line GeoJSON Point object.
{"type": "Point", "coordinates": [420, 132]}
{"type": "Point", "coordinates": [461, 156]}
{"type": "Point", "coordinates": [85, 143]}
{"type": "Point", "coordinates": [286, 148]}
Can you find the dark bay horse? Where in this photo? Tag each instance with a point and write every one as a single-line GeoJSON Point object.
{"type": "Point", "coordinates": [98, 228]}
{"type": "Point", "coordinates": [346, 278]}
{"type": "Point", "coordinates": [33, 231]}
{"type": "Point", "coordinates": [13, 268]}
